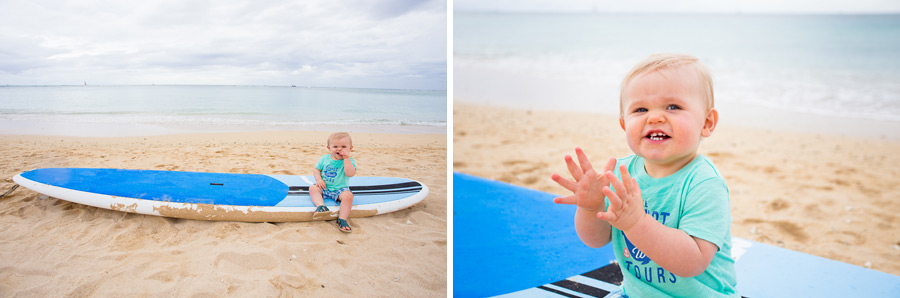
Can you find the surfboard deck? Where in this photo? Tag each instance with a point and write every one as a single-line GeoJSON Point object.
{"type": "Point", "coordinates": [215, 196]}
{"type": "Point", "coordinates": [515, 242]}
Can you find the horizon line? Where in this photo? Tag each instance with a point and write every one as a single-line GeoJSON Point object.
{"type": "Point", "coordinates": [213, 85]}
{"type": "Point", "coordinates": [760, 13]}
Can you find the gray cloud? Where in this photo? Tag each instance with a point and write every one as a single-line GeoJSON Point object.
{"type": "Point", "coordinates": [381, 44]}
{"type": "Point", "coordinates": [686, 6]}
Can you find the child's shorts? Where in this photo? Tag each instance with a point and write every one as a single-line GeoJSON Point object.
{"type": "Point", "coordinates": [333, 194]}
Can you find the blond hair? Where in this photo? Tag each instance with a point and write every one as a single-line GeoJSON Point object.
{"type": "Point", "coordinates": [657, 62]}
{"type": "Point", "coordinates": [338, 136]}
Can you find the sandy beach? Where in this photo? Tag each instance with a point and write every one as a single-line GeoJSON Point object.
{"type": "Point", "coordinates": [826, 195]}
{"type": "Point", "coordinates": [54, 248]}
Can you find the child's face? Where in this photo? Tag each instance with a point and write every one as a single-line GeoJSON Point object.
{"type": "Point", "coordinates": [665, 114]}
{"type": "Point", "coordinates": [337, 147]}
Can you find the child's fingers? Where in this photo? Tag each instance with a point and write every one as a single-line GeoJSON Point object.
{"type": "Point", "coordinates": [615, 203]}
{"type": "Point", "coordinates": [583, 160]}
{"type": "Point", "coordinates": [584, 185]}
{"type": "Point", "coordinates": [607, 216]}
{"type": "Point", "coordinates": [610, 165]}
{"type": "Point", "coordinates": [568, 200]}
{"type": "Point", "coordinates": [568, 184]}
{"type": "Point", "coordinates": [617, 184]}
{"type": "Point", "coordinates": [637, 189]}
{"type": "Point", "coordinates": [573, 168]}
{"type": "Point", "coordinates": [626, 178]}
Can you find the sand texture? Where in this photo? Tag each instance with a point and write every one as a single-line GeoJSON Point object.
{"type": "Point", "coordinates": [54, 248]}
{"type": "Point", "coordinates": [835, 197]}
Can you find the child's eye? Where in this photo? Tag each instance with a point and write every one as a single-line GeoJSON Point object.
{"type": "Point", "coordinates": [673, 107]}
{"type": "Point", "coordinates": [640, 110]}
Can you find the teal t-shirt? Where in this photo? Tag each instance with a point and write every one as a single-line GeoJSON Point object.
{"type": "Point", "coordinates": [694, 200]}
{"type": "Point", "coordinates": [333, 172]}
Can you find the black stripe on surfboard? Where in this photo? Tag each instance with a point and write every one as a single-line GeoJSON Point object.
{"type": "Point", "coordinates": [581, 288]}
{"type": "Point", "coordinates": [367, 187]}
{"type": "Point", "coordinates": [610, 274]}
{"type": "Point", "coordinates": [558, 292]}
{"type": "Point", "coordinates": [367, 192]}
{"type": "Point", "coordinates": [363, 193]}
{"type": "Point", "coordinates": [386, 186]}
{"type": "Point", "coordinates": [418, 188]}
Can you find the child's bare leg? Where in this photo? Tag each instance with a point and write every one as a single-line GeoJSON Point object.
{"type": "Point", "coordinates": [346, 203]}
{"type": "Point", "coordinates": [315, 194]}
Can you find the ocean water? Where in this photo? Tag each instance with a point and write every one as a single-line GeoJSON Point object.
{"type": "Point", "coordinates": [166, 109]}
{"type": "Point", "coordinates": [831, 65]}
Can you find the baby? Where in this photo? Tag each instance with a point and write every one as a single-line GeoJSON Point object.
{"type": "Point", "coordinates": [666, 208]}
{"type": "Point", "coordinates": [332, 173]}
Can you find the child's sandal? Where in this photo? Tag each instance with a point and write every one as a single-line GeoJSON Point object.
{"type": "Point", "coordinates": [321, 212]}
{"type": "Point", "coordinates": [342, 223]}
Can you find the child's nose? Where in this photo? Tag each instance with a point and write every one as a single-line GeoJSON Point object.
{"type": "Point", "coordinates": [654, 117]}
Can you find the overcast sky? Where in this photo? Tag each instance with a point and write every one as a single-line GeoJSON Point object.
{"type": "Point", "coordinates": [686, 6]}
{"type": "Point", "coordinates": [329, 43]}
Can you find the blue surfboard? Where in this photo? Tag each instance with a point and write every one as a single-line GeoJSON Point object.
{"type": "Point", "coordinates": [511, 241]}
{"type": "Point", "coordinates": [215, 196]}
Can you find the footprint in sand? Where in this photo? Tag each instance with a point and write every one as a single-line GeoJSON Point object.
{"type": "Point", "coordinates": [778, 205]}
{"type": "Point", "coordinates": [510, 163]}
{"type": "Point", "coordinates": [848, 238]}
{"type": "Point", "coordinates": [795, 231]}
{"type": "Point", "coordinates": [168, 167]}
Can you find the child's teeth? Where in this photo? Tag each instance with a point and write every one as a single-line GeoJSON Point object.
{"type": "Point", "coordinates": [656, 136]}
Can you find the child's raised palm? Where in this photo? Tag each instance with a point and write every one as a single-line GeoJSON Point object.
{"type": "Point", "coordinates": [626, 205]}
{"type": "Point", "coordinates": [588, 186]}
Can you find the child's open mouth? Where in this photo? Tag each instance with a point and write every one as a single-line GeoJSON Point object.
{"type": "Point", "coordinates": [657, 136]}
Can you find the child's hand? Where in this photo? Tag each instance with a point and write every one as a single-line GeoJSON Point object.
{"type": "Point", "coordinates": [320, 183]}
{"type": "Point", "coordinates": [344, 153]}
{"type": "Point", "coordinates": [626, 206]}
{"type": "Point", "coordinates": [588, 185]}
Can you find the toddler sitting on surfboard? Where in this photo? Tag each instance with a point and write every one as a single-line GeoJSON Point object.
{"type": "Point", "coordinates": [332, 173]}
{"type": "Point", "coordinates": [666, 208]}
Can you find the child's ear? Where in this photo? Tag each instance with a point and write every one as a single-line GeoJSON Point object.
{"type": "Point", "coordinates": [622, 123]}
{"type": "Point", "coordinates": [712, 118]}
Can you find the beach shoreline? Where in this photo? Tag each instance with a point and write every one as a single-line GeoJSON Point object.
{"type": "Point", "coordinates": [88, 129]}
{"type": "Point", "coordinates": [103, 111]}
{"type": "Point", "coordinates": [824, 194]}
{"type": "Point", "coordinates": [489, 86]}
{"type": "Point", "coordinates": [52, 247]}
